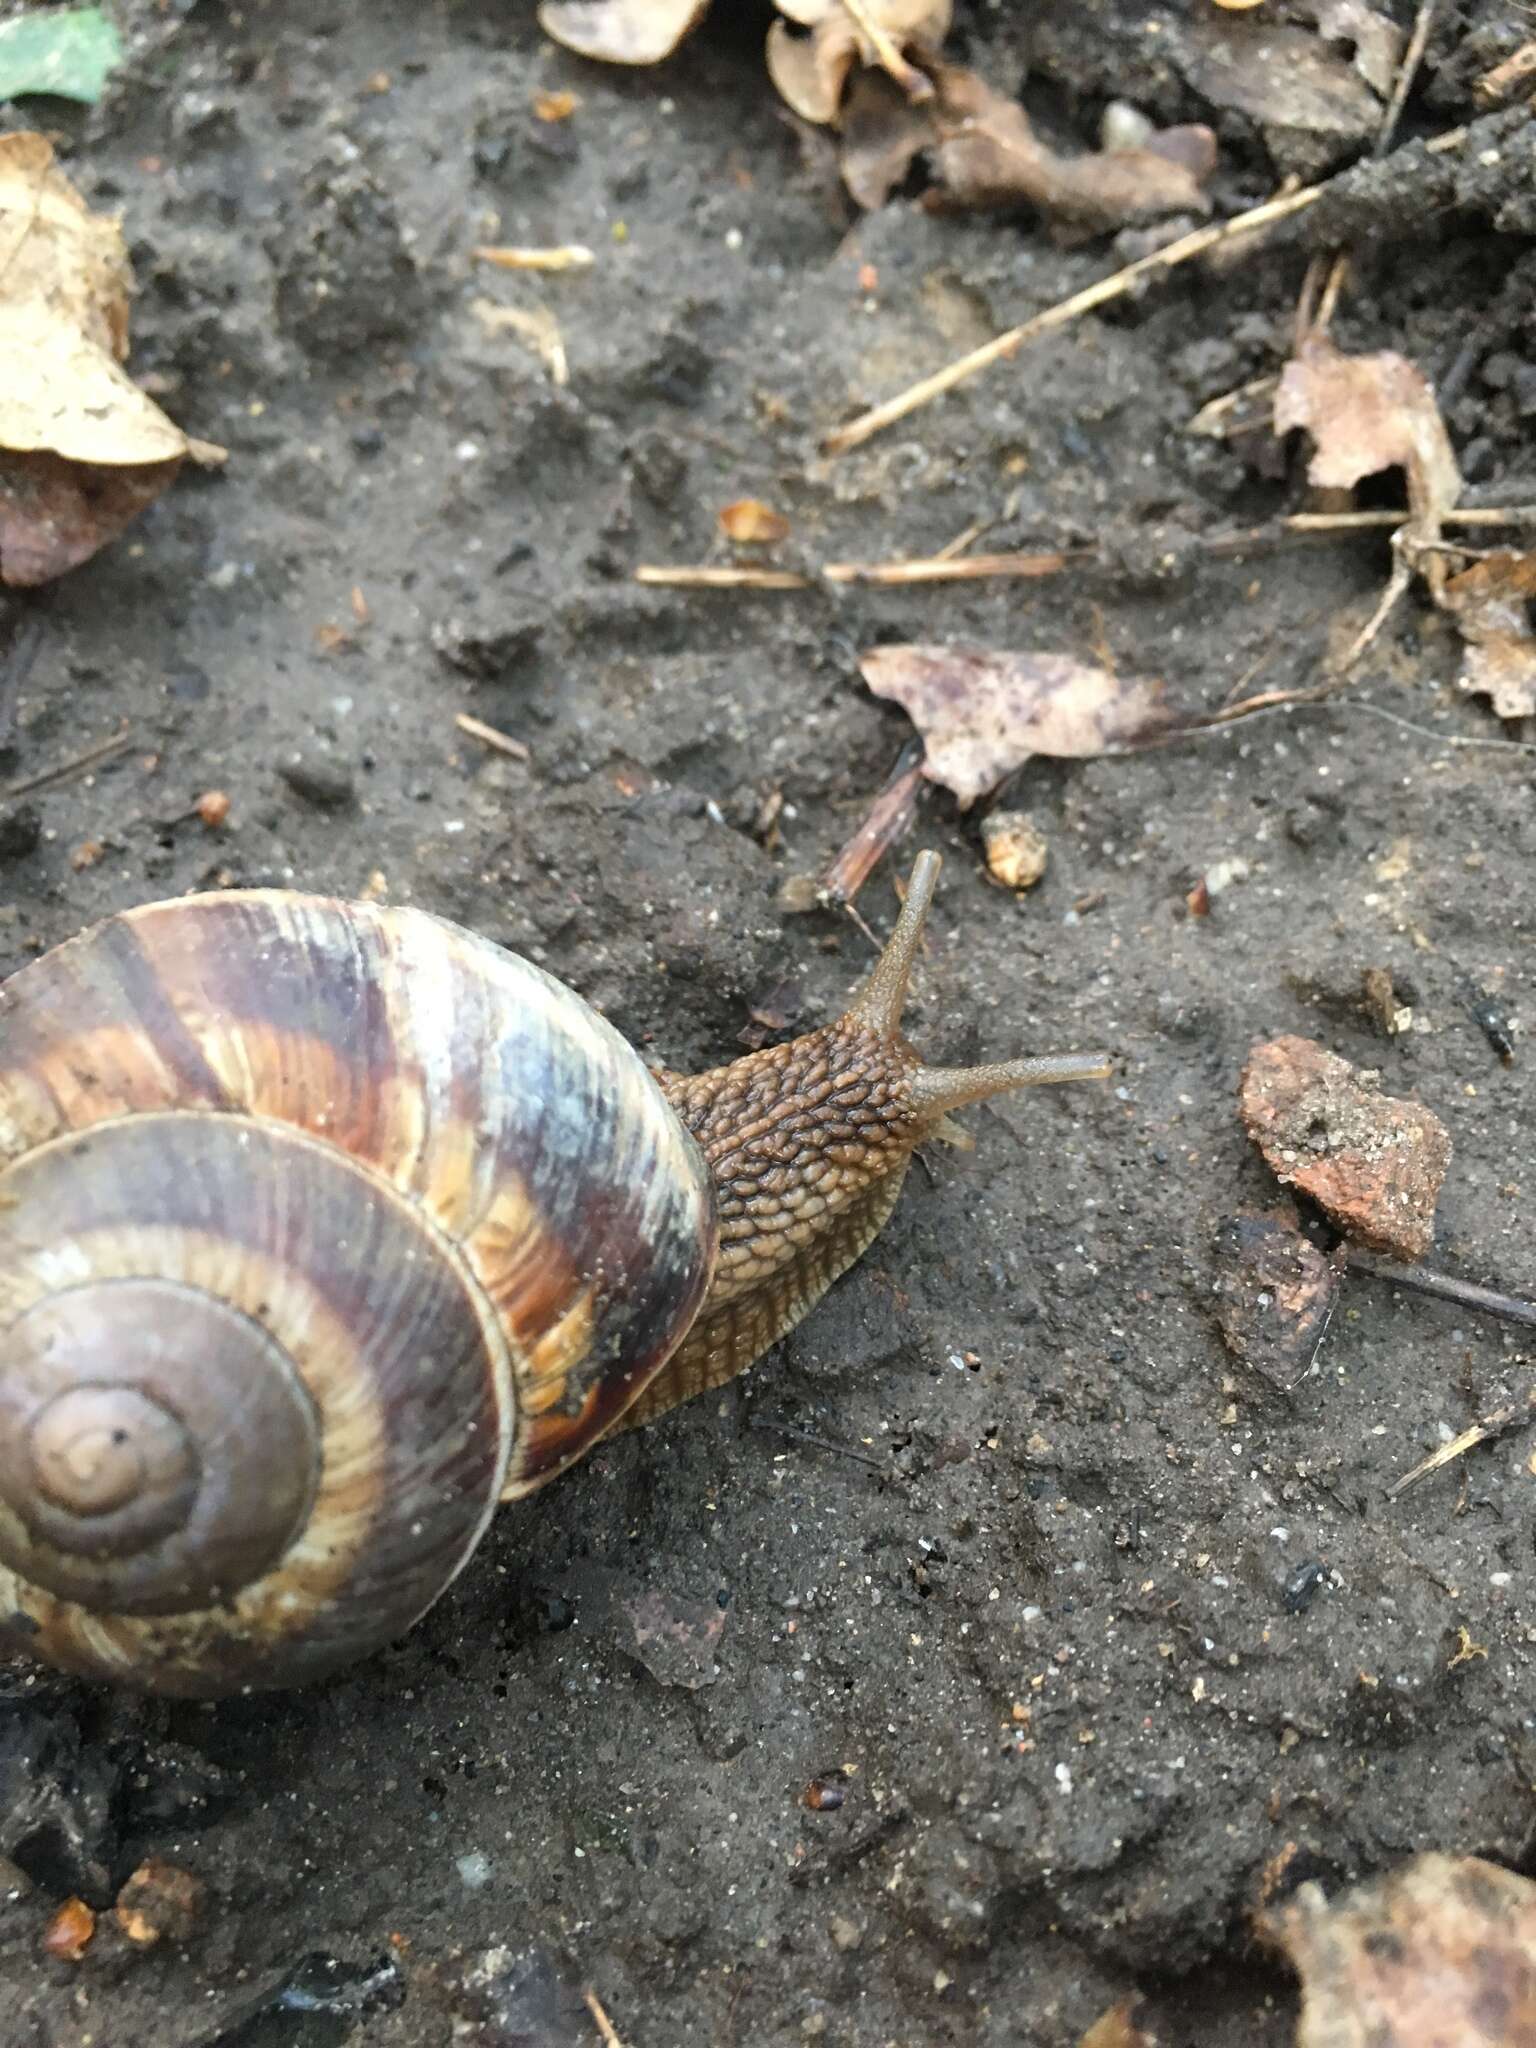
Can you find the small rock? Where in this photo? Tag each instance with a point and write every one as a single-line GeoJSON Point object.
{"type": "Point", "coordinates": [21, 830]}
{"type": "Point", "coordinates": [1439, 1949]}
{"type": "Point", "coordinates": [68, 1933]}
{"type": "Point", "coordinates": [1016, 849]}
{"type": "Point", "coordinates": [514, 1997]}
{"type": "Point", "coordinates": [1373, 1162]}
{"type": "Point", "coordinates": [675, 1640]}
{"type": "Point", "coordinates": [846, 1934]}
{"type": "Point", "coordinates": [1274, 1294]}
{"type": "Point", "coordinates": [160, 1902]}
{"type": "Point", "coordinates": [15, 1885]}
{"type": "Point", "coordinates": [328, 788]}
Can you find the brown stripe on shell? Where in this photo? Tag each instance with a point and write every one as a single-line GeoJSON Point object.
{"type": "Point", "coordinates": [476, 1084]}
{"type": "Point", "coordinates": [383, 1326]}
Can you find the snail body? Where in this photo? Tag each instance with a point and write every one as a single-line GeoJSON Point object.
{"type": "Point", "coordinates": [325, 1227]}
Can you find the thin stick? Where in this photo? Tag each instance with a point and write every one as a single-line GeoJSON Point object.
{"type": "Point", "coordinates": [700, 577]}
{"type": "Point", "coordinates": [1441, 739]}
{"type": "Point", "coordinates": [913, 82]}
{"type": "Point", "coordinates": [887, 818]}
{"type": "Point", "coordinates": [1066, 310]}
{"type": "Point", "coordinates": [1465, 1293]}
{"type": "Point", "coordinates": [1466, 515]}
{"type": "Point", "coordinates": [1212, 418]}
{"type": "Point", "coordinates": [962, 541]}
{"type": "Point", "coordinates": [1495, 1424]}
{"type": "Point", "coordinates": [605, 2026]}
{"type": "Point", "coordinates": [1407, 71]}
{"type": "Point", "coordinates": [91, 758]}
{"type": "Point", "coordinates": [566, 256]}
{"type": "Point", "coordinates": [490, 736]}
{"type": "Point", "coordinates": [948, 568]}
{"type": "Point", "coordinates": [1505, 79]}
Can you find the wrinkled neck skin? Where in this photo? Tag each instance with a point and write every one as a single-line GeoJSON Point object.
{"type": "Point", "coordinates": [798, 1137]}
{"type": "Point", "coordinates": [809, 1144]}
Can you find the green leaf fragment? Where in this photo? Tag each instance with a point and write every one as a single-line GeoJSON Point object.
{"type": "Point", "coordinates": [70, 54]}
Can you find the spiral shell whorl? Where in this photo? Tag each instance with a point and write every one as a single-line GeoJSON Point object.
{"type": "Point", "coordinates": [403, 1183]}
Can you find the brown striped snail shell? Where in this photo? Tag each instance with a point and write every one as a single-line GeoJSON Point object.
{"type": "Point", "coordinates": [326, 1227]}
{"type": "Point", "coordinates": [294, 1192]}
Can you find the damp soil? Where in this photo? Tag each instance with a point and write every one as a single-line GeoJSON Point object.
{"type": "Point", "coordinates": [1102, 1640]}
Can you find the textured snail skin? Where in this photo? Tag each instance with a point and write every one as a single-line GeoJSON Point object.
{"type": "Point", "coordinates": [324, 1227]}
{"type": "Point", "coordinates": [430, 1178]}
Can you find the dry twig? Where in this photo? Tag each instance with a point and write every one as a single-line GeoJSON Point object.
{"type": "Point", "coordinates": [700, 576]}
{"type": "Point", "coordinates": [605, 2026]}
{"type": "Point", "coordinates": [91, 758]}
{"type": "Point", "coordinates": [491, 736]}
{"type": "Point", "coordinates": [1066, 310]}
{"type": "Point", "coordinates": [950, 568]}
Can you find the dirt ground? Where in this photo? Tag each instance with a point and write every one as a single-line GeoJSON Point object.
{"type": "Point", "coordinates": [1003, 1540]}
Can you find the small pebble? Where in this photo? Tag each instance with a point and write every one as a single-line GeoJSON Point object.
{"type": "Point", "coordinates": [318, 783]}
{"type": "Point", "coordinates": [1016, 849]}
{"type": "Point", "coordinates": [846, 1934]}
{"type": "Point", "coordinates": [159, 1902]}
{"type": "Point", "coordinates": [68, 1933]}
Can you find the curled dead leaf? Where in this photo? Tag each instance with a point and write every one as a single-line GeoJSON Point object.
{"type": "Point", "coordinates": [1491, 604]}
{"type": "Point", "coordinates": [82, 448]}
{"type": "Point", "coordinates": [982, 713]}
{"type": "Point", "coordinates": [621, 31]}
{"type": "Point", "coordinates": [812, 71]}
{"type": "Point", "coordinates": [750, 521]}
{"type": "Point", "coordinates": [1441, 1953]}
{"type": "Point", "coordinates": [1366, 414]}
{"type": "Point", "coordinates": [988, 155]}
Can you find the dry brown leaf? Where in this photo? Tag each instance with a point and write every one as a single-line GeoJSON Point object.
{"type": "Point", "coordinates": [982, 713]}
{"type": "Point", "coordinates": [882, 132]}
{"type": "Point", "coordinates": [1366, 414]}
{"type": "Point", "coordinates": [988, 155]}
{"type": "Point", "coordinates": [621, 31]}
{"type": "Point", "coordinates": [1123, 2026]}
{"type": "Point", "coordinates": [1373, 42]}
{"type": "Point", "coordinates": [82, 448]}
{"type": "Point", "coordinates": [750, 520]}
{"type": "Point", "coordinates": [811, 72]}
{"type": "Point", "coordinates": [1283, 77]}
{"type": "Point", "coordinates": [1491, 604]}
{"type": "Point", "coordinates": [1439, 1954]}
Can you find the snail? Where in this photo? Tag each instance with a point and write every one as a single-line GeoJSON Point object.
{"type": "Point", "coordinates": [326, 1227]}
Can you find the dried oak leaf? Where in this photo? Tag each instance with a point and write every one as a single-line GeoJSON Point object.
{"type": "Point", "coordinates": [811, 72]}
{"type": "Point", "coordinates": [1374, 1162]}
{"type": "Point", "coordinates": [82, 448]}
{"type": "Point", "coordinates": [1439, 1954]}
{"type": "Point", "coordinates": [982, 713]}
{"type": "Point", "coordinates": [988, 155]}
{"type": "Point", "coordinates": [1491, 603]}
{"type": "Point", "coordinates": [621, 31]}
{"type": "Point", "coordinates": [1366, 414]}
